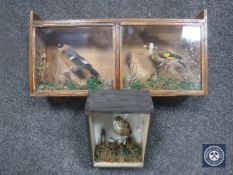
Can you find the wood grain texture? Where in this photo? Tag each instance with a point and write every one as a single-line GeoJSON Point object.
{"type": "Point", "coordinates": [59, 93]}
{"type": "Point", "coordinates": [119, 101]}
{"type": "Point", "coordinates": [204, 63]}
{"type": "Point", "coordinates": [117, 56]}
{"type": "Point", "coordinates": [31, 53]}
{"type": "Point", "coordinates": [205, 50]}
{"type": "Point", "coordinates": [112, 21]}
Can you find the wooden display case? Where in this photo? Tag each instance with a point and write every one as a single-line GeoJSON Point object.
{"type": "Point", "coordinates": [168, 57]}
{"type": "Point", "coordinates": [118, 125]}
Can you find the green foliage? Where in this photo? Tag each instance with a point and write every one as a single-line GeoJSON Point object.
{"type": "Point", "coordinates": [54, 86]}
{"type": "Point", "coordinates": [164, 83]}
{"type": "Point", "coordinates": [169, 84]}
{"type": "Point", "coordinates": [151, 83]}
{"type": "Point", "coordinates": [115, 152]}
{"type": "Point", "coordinates": [137, 85]}
{"type": "Point", "coordinates": [189, 85]}
{"type": "Point", "coordinates": [185, 85]}
{"type": "Point", "coordinates": [70, 86]}
{"type": "Point", "coordinates": [93, 83]}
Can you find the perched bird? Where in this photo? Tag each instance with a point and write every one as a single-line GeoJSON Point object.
{"type": "Point", "coordinates": [122, 128]}
{"type": "Point", "coordinates": [166, 63]}
{"type": "Point", "coordinates": [160, 56]}
{"type": "Point", "coordinates": [81, 65]}
{"type": "Point", "coordinates": [150, 47]}
{"type": "Point", "coordinates": [171, 56]}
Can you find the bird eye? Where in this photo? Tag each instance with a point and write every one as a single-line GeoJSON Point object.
{"type": "Point", "coordinates": [60, 45]}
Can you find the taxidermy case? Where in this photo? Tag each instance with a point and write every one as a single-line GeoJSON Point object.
{"type": "Point", "coordinates": [118, 124]}
{"type": "Point", "coordinates": [168, 57]}
{"type": "Point", "coordinates": [74, 59]}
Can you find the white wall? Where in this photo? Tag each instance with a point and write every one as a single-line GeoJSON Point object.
{"type": "Point", "coordinates": [106, 121]}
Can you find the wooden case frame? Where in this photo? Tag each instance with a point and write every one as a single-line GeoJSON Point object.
{"type": "Point", "coordinates": [116, 24]}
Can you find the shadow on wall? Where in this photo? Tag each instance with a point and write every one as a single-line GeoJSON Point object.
{"type": "Point", "coordinates": [78, 103]}
{"type": "Point", "coordinates": [169, 101]}
{"type": "Point", "coordinates": [74, 103]}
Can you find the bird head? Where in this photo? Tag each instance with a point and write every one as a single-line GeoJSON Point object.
{"type": "Point", "coordinates": [62, 47]}
{"type": "Point", "coordinates": [151, 47]}
{"type": "Point", "coordinates": [118, 118]}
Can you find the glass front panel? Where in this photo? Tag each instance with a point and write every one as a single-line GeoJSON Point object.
{"type": "Point", "coordinates": [74, 58]}
{"type": "Point", "coordinates": [159, 57]}
{"type": "Point", "coordinates": [119, 137]}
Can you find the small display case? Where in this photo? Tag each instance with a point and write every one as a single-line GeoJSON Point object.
{"type": "Point", "coordinates": [118, 125]}
{"type": "Point", "coordinates": [168, 57]}
{"type": "Point", "coordinates": [68, 57]}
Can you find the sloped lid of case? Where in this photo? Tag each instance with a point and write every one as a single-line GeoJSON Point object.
{"type": "Point", "coordinates": [119, 101]}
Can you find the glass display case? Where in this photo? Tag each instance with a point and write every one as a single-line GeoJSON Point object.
{"type": "Point", "coordinates": [74, 58]}
{"type": "Point", "coordinates": [118, 131]}
{"type": "Point", "coordinates": [168, 57]}
{"type": "Point", "coordinates": [161, 57]}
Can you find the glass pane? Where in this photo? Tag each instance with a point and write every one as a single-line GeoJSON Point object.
{"type": "Point", "coordinates": [161, 57]}
{"type": "Point", "coordinates": [74, 58]}
{"type": "Point", "coordinates": [118, 137]}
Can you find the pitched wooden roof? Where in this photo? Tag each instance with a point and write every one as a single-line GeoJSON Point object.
{"type": "Point", "coordinates": [119, 101]}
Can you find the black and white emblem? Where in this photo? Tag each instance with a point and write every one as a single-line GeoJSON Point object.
{"type": "Point", "coordinates": [214, 155]}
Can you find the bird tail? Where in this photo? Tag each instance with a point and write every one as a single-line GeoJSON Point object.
{"type": "Point", "coordinates": [93, 72]}
{"type": "Point", "coordinates": [182, 63]}
{"type": "Point", "coordinates": [87, 66]}
{"type": "Point", "coordinates": [79, 72]}
{"type": "Point", "coordinates": [176, 56]}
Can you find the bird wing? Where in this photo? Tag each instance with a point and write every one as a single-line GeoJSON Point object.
{"type": "Point", "coordinates": [164, 54]}
{"type": "Point", "coordinates": [72, 55]}
{"type": "Point", "coordinates": [79, 72]}
{"type": "Point", "coordinates": [127, 128]}
{"type": "Point", "coordinates": [182, 63]}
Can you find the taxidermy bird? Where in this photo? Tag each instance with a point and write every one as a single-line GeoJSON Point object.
{"type": "Point", "coordinates": [170, 56]}
{"type": "Point", "coordinates": [162, 55]}
{"type": "Point", "coordinates": [81, 65]}
{"type": "Point", "coordinates": [122, 128]}
{"type": "Point", "coordinates": [167, 64]}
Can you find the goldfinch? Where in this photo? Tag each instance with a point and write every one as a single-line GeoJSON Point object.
{"type": "Point", "coordinates": [162, 55]}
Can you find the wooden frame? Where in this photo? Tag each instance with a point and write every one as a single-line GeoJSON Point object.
{"type": "Point", "coordinates": [116, 24]}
